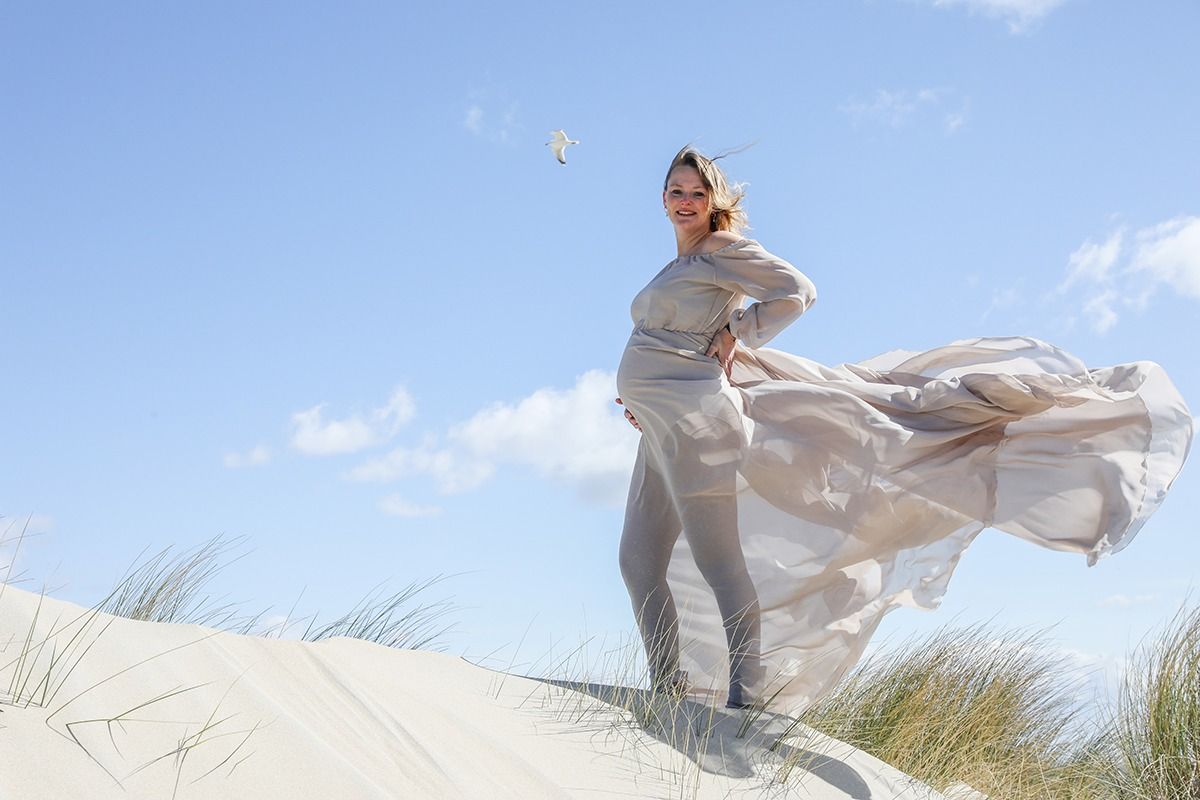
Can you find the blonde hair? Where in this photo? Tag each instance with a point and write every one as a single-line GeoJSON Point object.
{"type": "Point", "coordinates": [726, 198]}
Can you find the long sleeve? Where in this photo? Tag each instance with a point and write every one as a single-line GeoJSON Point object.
{"type": "Point", "coordinates": [782, 291]}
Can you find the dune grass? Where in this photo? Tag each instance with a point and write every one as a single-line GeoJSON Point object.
{"type": "Point", "coordinates": [991, 708]}
{"type": "Point", "coordinates": [173, 590]}
{"type": "Point", "coordinates": [1155, 728]}
{"type": "Point", "coordinates": [162, 589]}
{"type": "Point", "coordinates": [169, 590]}
{"type": "Point", "coordinates": [997, 710]}
{"type": "Point", "coordinates": [44, 661]}
{"type": "Point", "coordinates": [599, 688]}
{"type": "Point", "coordinates": [392, 620]}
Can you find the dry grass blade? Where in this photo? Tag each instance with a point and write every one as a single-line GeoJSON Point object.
{"type": "Point", "coordinates": [993, 709]}
{"type": "Point", "coordinates": [1157, 722]}
{"type": "Point", "coordinates": [8, 577]}
{"type": "Point", "coordinates": [162, 590]}
{"type": "Point", "coordinates": [386, 621]}
{"type": "Point", "coordinates": [28, 663]}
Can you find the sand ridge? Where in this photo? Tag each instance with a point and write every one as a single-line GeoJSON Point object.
{"type": "Point", "coordinates": [106, 707]}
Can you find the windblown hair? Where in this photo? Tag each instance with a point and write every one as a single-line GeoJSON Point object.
{"type": "Point", "coordinates": [726, 198]}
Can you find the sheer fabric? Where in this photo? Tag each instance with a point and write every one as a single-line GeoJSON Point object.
{"type": "Point", "coordinates": [774, 516]}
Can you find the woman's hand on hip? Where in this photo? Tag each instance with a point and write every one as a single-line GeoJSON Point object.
{"type": "Point", "coordinates": [629, 416]}
{"type": "Point", "coordinates": [722, 347]}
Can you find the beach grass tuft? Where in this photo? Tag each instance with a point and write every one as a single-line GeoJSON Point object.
{"type": "Point", "coordinates": [174, 589]}
{"type": "Point", "coordinates": [393, 620]}
{"type": "Point", "coordinates": [1155, 728]}
{"type": "Point", "coordinates": [995, 709]}
{"type": "Point", "coordinates": [162, 589]}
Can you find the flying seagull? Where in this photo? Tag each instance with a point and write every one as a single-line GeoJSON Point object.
{"type": "Point", "coordinates": [559, 145]}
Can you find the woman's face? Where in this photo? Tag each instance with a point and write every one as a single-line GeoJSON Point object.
{"type": "Point", "coordinates": [686, 200]}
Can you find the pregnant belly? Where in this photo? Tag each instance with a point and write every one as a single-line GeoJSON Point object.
{"type": "Point", "coordinates": [664, 368]}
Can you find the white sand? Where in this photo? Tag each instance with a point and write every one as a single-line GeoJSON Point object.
{"type": "Point", "coordinates": [161, 710]}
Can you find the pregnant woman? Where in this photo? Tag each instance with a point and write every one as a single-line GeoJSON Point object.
{"type": "Point", "coordinates": [779, 508]}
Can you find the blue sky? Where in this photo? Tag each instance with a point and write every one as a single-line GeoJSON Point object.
{"type": "Point", "coordinates": [309, 275]}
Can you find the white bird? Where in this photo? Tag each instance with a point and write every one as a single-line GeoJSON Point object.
{"type": "Point", "coordinates": [559, 145]}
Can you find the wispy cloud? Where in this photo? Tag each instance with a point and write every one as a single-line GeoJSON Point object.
{"type": "Point", "coordinates": [455, 470]}
{"type": "Point", "coordinates": [954, 120]}
{"type": "Point", "coordinates": [474, 119]}
{"type": "Point", "coordinates": [313, 435]}
{"type": "Point", "coordinates": [1169, 253]}
{"type": "Point", "coordinates": [574, 436]}
{"type": "Point", "coordinates": [1020, 15]}
{"type": "Point", "coordinates": [1125, 600]}
{"type": "Point", "coordinates": [396, 506]}
{"type": "Point", "coordinates": [1007, 297]}
{"type": "Point", "coordinates": [1092, 262]}
{"type": "Point", "coordinates": [260, 454]}
{"type": "Point", "coordinates": [1099, 309]}
{"type": "Point", "coordinates": [1117, 274]}
{"type": "Point", "coordinates": [492, 115]}
{"type": "Point", "coordinates": [900, 108]}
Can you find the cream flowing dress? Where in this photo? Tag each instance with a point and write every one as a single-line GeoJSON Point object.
{"type": "Point", "coordinates": [856, 488]}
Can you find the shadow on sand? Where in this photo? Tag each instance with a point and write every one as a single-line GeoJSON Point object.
{"type": "Point", "coordinates": [729, 742]}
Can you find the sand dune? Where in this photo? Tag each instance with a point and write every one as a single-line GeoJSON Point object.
{"type": "Point", "coordinates": [95, 706]}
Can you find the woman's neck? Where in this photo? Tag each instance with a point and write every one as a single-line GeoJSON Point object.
{"type": "Point", "coordinates": [689, 245]}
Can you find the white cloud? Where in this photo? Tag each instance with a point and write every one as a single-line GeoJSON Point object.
{"type": "Point", "coordinates": [453, 470]}
{"type": "Point", "coordinates": [1021, 15]}
{"type": "Point", "coordinates": [1125, 601]}
{"type": "Point", "coordinates": [890, 108]}
{"type": "Point", "coordinates": [314, 436]}
{"type": "Point", "coordinates": [1001, 298]}
{"type": "Point", "coordinates": [900, 108]}
{"type": "Point", "coordinates": [1113, 274]}
{"type": "Point", "coordinates": [474, 120]}
{"type": "Point", "coordinates": [396, 506]}
{"type": "Point", "coordinates": [492, 115]}
{"type": "Point", "coordinates": [1099, 308]}
{"type": "Point", "coordinates": [576, 436]}
{"type": "Point", "coordinates": [251, 458]}
{"type": "Point", "coordinates": [1091, 262]}
{"type": "Point", "coordinates": [1170, 253]}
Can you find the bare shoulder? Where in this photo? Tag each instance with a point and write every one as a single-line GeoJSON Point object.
{"type": "Point", "coordinates": [718, 239]}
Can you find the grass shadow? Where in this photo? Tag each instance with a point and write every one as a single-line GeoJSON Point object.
{"type": "Point", "coordinates": [718, 740]}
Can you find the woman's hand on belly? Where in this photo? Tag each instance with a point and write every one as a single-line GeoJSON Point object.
{"type": "Point", "coordinates": [629, 416]}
